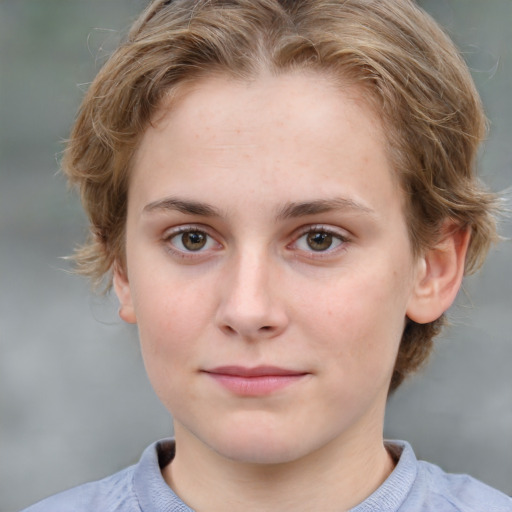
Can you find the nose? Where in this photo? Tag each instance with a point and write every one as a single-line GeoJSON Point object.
{"type": "Point", "coordinates": [251, 305]}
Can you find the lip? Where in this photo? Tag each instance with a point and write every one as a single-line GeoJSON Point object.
{"type": "Point", "coordinates": [257, 381]}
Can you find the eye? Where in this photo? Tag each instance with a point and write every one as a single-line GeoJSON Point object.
{"type": "Point", "coordinates": [319, 240]}
{"type": "Point", "coordinates": [191, 240]}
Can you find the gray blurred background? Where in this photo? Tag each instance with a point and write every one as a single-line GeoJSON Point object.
{"type": "Point", "coordinates": [75, 404]}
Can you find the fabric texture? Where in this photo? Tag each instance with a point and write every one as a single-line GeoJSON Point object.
{"type": "Point", "coordinates": [413, 486]}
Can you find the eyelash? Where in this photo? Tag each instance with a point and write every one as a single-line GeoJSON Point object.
{"type": "Point", "coordinates": [184, 253]}
{"type": "Point", "coordinates": [342, 240]}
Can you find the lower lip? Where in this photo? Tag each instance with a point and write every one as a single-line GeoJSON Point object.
{"type": "Point", "coordinates": [255, 386]}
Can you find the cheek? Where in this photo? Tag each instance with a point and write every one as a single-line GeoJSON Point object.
{"type": "Point", "coordinates": [169, 301]}
{"type": "Point", "coordinates": [167, 320]}
{"type": "Point", "coordinates": [167, 339]}
{"type": "Point", "coordinates": [360, 320]}
{"type": "Point", "coordinates": [170, 324]}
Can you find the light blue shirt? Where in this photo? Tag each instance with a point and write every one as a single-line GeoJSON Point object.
{"type": "Point", "coordinates": [413, 486]}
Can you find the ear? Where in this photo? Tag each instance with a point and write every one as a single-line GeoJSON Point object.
{"type": "Point", "coordinates": [439, 275]}
{"type": "Point", "coordinates": [124, 294]}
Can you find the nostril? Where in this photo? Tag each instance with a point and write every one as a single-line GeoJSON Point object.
{"type": "Point", "coordinates": [228, 329]}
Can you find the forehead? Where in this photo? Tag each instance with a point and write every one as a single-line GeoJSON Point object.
{"type": "Point", "coordinates": [267, 98]}
{"type": "Point", "coordinates": [299, 128]}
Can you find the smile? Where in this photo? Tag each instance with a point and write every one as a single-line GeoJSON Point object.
{"type": "Point", "coordinates": [259, 381]}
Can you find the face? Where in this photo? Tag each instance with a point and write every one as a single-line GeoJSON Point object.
{"type": "Point", "coordinates": [268, 266]}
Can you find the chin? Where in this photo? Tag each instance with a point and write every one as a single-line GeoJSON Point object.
{"type": "Point", "coordinates": [251, 453]}
{"type": "Point", "coordinates": [259, 447]}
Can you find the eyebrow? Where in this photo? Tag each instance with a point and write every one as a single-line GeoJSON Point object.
{"type": "Point", "coordinates": [302, 209]}
{"type": "Point", "coordinates": [288, 211]}
{"type": "Point", "coordinates": [183, 206]}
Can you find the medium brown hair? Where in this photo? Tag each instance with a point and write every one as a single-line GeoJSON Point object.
{"type": "Point", "coordinates": [410, 71]}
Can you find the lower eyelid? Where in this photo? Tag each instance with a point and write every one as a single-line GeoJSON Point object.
{"type": "Point", "coordinates": [212, 243]}
{"type": "Point", "coordinates": [339, 241]}
{"type": "Point", "coordinates": [341, 238]}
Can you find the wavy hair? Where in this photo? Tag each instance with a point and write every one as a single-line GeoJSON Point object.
{"type": "Point", "coordinates": [411, 72]}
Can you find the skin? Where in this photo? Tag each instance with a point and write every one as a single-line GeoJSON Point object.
{"type": "Point", "coordinates": [251, 170]}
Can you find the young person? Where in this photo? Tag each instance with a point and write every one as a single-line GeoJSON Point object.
{"type": "Point", "coordinates": [283, 195]}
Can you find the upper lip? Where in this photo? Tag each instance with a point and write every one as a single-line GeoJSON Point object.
{"type": "Point", "coordinates": [257, 371]}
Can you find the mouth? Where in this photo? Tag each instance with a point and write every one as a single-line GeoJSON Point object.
{"type": "Point", "coordinates": [257, 381]}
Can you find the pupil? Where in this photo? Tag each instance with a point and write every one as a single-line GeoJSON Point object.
{"type": "Point", "coordinates": [194, 241]}
{"type": "Point", "coordinates": [319, 241]}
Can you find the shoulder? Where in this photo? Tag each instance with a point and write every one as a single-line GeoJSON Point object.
{"type": "Point", "coordinates": [139, 487]}
{"type": "Point", "coordinates": [457, 493]}
{"type": "Point", "coordinates": [112, 494]}
{"type": "Point", "coordinates": [419, 486]}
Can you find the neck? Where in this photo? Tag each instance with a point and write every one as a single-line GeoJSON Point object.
{"type": "Point", "coordinates": [336, 477]}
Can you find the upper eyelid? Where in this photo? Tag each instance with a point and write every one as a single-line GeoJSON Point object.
{"type": "Point", "coordinates": [198, 255]}
{"type": "Point", "coordinates": [170, 233]}
{"type": "Point", "coordinates": [184, 228]}
{"type": "Point", "coordinates": [302, 230]}
{"type": "Point", "coordinates": [343, 235]}
{"type": "Point", "coordinates": [340, 232]}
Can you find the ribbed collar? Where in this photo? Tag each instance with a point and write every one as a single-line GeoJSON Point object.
{"type": "Point", "coordinates": [155, 495]}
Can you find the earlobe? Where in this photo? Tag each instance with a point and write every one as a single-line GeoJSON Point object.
{"type": "Point", "coordinates": [439, 275]}
{"type": "Point", "coordinates": [124, 294]}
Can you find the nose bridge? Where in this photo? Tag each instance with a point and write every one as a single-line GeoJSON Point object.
{"type": "Point", "coordinates": [249, 305]}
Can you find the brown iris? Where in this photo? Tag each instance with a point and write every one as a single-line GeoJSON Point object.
{"type": "Point", "coordinates": [319, 240]}
{"type": "Point", "coordinates": [194, 240]}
